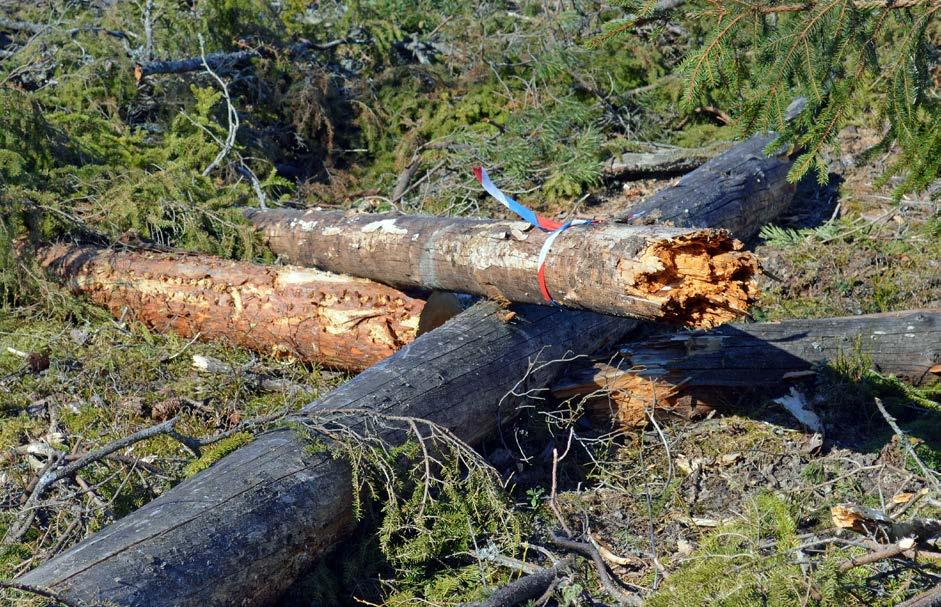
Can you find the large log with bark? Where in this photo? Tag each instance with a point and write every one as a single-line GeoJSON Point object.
{"type": "Point", "coordinates": [682, 371]}
{"type": "Point", "coordinates": [737, 190]}
{"type": "Point", "coordinates": [337, 321]}
{"type": "Point", "coordinates": [698, 278]}
{"type": "Point", "coordinates": [241, 531]}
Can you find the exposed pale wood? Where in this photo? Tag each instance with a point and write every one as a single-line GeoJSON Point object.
{"type": "Point", "coordinates": [240, 532]}
{"type": "Point", "coordinates": [683, 370]}
{"type": "Point", "coordinates": [697, 278]}
{"type": "Point", "coordinates": [664, 161]}
{"type": "Point", "coordinates": [337, 321]}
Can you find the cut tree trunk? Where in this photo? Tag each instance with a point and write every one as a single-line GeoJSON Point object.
{"type": "Point", "coordinates": [240, 532]}
{"type": "Point", "coordinates": [337, 321]}
{"type": "Point", "coordinates": [689, 372]}
{"type": "Point", "coordinates": [699, 278]}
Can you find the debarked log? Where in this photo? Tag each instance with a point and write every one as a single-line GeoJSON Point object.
{"type": "Point", "coordinates": [680, 371]}
{"type": "Point", "coordinates": [337, 321]}
{"type": "Point", "coordinates": [239, 532]}
{"type": "Point", "coordinates": [699, 278]}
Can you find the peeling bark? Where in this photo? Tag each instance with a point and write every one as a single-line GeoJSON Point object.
{"type": "Point", "coordinates": [689, 373]}
{"type": "Point", "coordinates": [698, 278]}
{"type": "Point", "coordinates": [337, 321]}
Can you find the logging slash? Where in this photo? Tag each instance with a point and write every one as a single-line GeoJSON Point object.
{"type": "Point", "coordinates": [690, 372]}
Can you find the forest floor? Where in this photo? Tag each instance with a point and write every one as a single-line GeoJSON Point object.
{"type": "Point", "coordinates": [729, 510]}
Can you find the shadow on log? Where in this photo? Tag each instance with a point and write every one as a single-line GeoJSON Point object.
{"type": "Point", "coordinates": [687, 372]}
{"type": "Point", "coordinates": [241, 531]}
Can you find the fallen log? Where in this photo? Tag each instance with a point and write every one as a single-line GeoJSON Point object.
{"type": "Point", "coordinates": [337, 321]}
{"type": "Point", "coordinates": [698, 278]}
{"type": "Point", "coordinates": [662, 161]}
{"type": "Point", "coordinates": [216, 62]}
{"type": "Point", "coordinates": [241, 531]}
{"type": "Point", "coordinates": [685, 371]}
{"type": "Point", "coordinates": [737, 190]}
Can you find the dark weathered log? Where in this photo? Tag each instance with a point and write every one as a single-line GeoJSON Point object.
{"type": "Point", "coordinates": [737, 190]}
{"type": "Point", "coordinates": [216, 61]}
{"type": "Point", "coordinates": [679, 371]}
{"type": "Point", "coordinates": [337, 321]}
{"type": "Point", "coordinates": [226, 60]}
{"type": "Point", "coordinates": [239, 532]}
{"type": "Point", "coordinates": [523, 589]}
{"type": "Point", "coordinates": [698, 278]}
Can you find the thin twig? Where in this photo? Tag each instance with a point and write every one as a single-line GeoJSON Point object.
{"type": "Point", "coordinates": [903, 439]}
{"type": "Point", "coordinates": [553, 502]}
{"type": "Point", "coordinates": [46, 594]}
{"type": "Point", "coordinates": [230, 110]}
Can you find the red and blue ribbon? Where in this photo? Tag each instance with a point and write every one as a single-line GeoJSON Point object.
{"type": "Point", "coordinates": [537, 221]}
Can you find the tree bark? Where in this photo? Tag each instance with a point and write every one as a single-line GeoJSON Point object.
{"type": "Point", "coordinates": [698, 278]}
{"type": "Point", "coordinates": [241, 531]}
{"type": "Point", "coordinates": [687, 370]}
{"type": "Point", "coordinates": [737, 190]}
{"type": "Point", "coordinates": [337, 321]}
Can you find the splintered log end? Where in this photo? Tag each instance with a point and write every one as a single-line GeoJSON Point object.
{"type": "Point", "coordinates": [858, 518]}
{"type": "Point", "coordinates": [700, 279]}
{"type": "Point", "coordinates": [624, 397]}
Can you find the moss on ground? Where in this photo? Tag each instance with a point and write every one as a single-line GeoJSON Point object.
{"type": "Point", "coordinates": [88, 153]}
